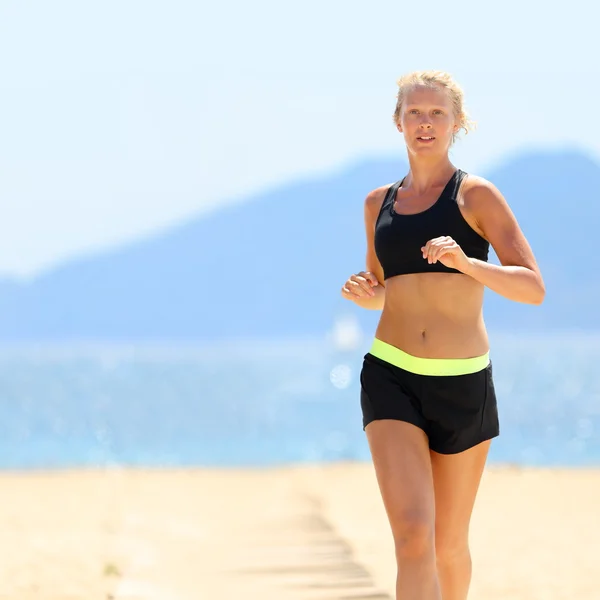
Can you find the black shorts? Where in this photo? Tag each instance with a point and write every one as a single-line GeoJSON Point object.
{"type": "Point", "coordinates": [456, 412]}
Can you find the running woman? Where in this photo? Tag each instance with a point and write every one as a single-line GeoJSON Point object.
{"type": "Point", "coordinates": [427, 392]}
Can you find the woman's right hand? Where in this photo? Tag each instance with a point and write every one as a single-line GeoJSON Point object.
{"type": "Point", "coordinates": [360, 286]}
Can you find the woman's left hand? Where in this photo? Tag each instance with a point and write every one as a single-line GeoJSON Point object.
{"type": "Point", "coordinates": [447, 251]}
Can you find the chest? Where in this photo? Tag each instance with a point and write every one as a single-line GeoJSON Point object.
{"type": "Point", "coordinates": [409, 232]}
{"type": "Point", "coordinates": [407, 204]}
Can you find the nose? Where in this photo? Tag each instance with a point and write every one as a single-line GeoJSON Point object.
{"type": "Point", "coordinates": [425, 122]}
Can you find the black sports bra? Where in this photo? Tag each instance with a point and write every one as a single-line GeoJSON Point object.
{"type": "Point", "coordinates": [399, 238]}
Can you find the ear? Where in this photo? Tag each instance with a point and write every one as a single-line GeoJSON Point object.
{"type": "Point", "coordinates": [399, 127]}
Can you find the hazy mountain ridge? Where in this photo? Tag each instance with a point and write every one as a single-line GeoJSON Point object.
{"type": "Point", "coordinates": [274, 265]}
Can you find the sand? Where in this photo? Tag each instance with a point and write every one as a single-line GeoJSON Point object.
{"type": "Point", "coordinates": [310, 532]}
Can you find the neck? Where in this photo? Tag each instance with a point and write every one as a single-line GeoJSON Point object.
{"type": "Point", "coordinates": [428, 172]}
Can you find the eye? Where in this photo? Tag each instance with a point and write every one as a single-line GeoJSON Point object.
{"type": "Point", "coordinates": [438, 112]}
{"type": "Point", "coordinates": [414, 111]}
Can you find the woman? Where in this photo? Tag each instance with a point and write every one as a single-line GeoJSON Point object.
{"type": "Point", "coordinates": [427, 393]}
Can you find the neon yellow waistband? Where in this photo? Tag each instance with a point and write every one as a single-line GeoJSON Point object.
{"type": "Point", "coordinates": [428, 366]}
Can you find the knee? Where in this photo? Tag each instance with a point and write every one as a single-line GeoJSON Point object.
{"type": "Point", "coordinates": [414, 533]}
{"type": "Point", "coordinates": [451, 547]}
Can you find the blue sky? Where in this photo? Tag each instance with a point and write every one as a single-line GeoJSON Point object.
{"type": "Point", "coordinates": [121, 118]}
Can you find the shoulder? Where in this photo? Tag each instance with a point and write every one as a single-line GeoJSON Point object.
{"type": "Point", "coordinates": [476, 190]}
{"type": "Point", "coordinates": [375, 198]}
{"type": "Point", "coordinates": [487, 207]}
{"type": "Point", "coordinates": [481, 197]}
{"type": "Point", "coordinates": [377, 195]}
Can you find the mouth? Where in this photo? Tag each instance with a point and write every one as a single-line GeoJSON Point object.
{"type": "Point", "coordinates": [426, 138]}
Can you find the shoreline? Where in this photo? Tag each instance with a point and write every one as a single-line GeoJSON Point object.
{"type": "Point", "coordinates": [287, 467]}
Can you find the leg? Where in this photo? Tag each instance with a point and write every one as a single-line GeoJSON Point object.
{"type": "Point", "coordinates": [402, 463]}
{"type": "Point", "coordinates": [456, 480]}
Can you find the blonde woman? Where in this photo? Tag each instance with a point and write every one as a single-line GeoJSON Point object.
{"type": "Point", "coordinates": [427, 392]}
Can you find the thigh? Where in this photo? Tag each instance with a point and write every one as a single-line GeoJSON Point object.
{"type": "Point", "coordinates": [402, 462]}
{"type": "Point", "coordinates": [456, 479]}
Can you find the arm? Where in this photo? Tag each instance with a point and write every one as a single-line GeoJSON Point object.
{"type": "Point", "coordinates": [367, 289]}
{"type": "Point", "coordinates": [518, 277]}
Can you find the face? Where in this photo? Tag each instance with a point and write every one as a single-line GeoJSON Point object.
{"type": "Point", "coordinates": [427, 120]}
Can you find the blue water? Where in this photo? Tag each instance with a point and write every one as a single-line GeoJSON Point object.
{"type": "Point", "coordinates": [267, 403]}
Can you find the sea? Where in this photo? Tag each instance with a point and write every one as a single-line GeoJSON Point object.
{"type": "Point", "coordinates": [242, 403]}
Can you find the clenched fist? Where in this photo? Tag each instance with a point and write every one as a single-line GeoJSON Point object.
{"type": "Point", "coordinates": [359, 286]}
{"type": "Point", "coordinates": [445, 250]}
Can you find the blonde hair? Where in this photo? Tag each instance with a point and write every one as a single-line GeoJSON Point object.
{"type": "Point", "coordinates": [438, 79]}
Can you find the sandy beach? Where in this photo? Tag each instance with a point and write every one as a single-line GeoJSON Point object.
{"type": "Point", "coordinates": [310, 532]}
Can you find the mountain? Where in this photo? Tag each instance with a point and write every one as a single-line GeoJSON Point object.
{"type": "Point", "coordinates": [274, 265]}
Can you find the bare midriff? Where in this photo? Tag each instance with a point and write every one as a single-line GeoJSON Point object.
{"type": "Point", "coordinates": [434, 315]}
